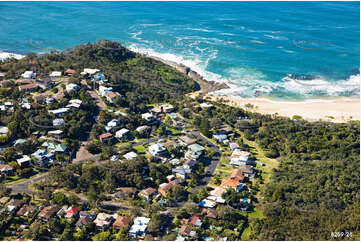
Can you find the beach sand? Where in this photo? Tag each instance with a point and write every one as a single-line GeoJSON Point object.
{"type": "Point", "coordinates": [335, 110]}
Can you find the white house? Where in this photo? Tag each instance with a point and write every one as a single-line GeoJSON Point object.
{"type": "Point", "coordinates": [72, 87]}
{"type": "Point", "coordinates": [90, 71]}
{"type": "Point", "coordinates": [130, 155]}
{"type": "Point", "coordinates": [239, 157]}
{"type": "Point", "coordinates": [113, 123]}
{"type": "Point", "coordinates": [141, 129]}
{"type": "Point", "coordinates": [157, 149]}
{"type": "Point", "coordinates": [103, 90]}
{"type": "Point", "coordinates": [123, 133]}
{"type": "Point", "coordinates": [74, 103]}
{"type": "Point", "coordinates": [59, 111]}
{"type": "Point", "coordinates": [58, 122]}
{"type": "Point", "coordinates": [55, 74]}
{"type": "Point", "coordinates": [139, 226]}
{"type": "Point", "coordinates": [148, 116]}
{"type": "Point", "coordinates": [4, 130]}
{"type": "Point", "coordinates": [28, 75]}
{"type": "Point", "coordinates": [207, 203]}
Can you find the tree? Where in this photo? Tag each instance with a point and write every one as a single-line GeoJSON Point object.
{"type": "Point", "coordinates": [205, 127]}
{"type": "Point", "coordinates": [162, 130]}
{"type": "Point", "coordinates": [103, 236]}
{"type": "Point", "coordinates": [60, 199]}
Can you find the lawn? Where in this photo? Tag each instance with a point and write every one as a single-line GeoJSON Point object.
{"type": "Point", "coordinates": [140, 149]}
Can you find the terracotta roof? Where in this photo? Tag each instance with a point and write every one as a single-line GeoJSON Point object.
{"type": "Point", "coordinates": [147, 192]}
{"type": "Point", "coordinates": [28, 86]}
{"type": "Point", "coordinates": [185, 230]}
{"type": "Point", "coordinates": [2, 166]}
{"type": "Point", "coordinates": [164, 188]}
{"type": "Point", "coordinates": [70, 71]}
{"type": "Point", "coordinates": [105, 136]}
{"type": "Point", "coordinates": [210, 213]}
{"type": "Point", "coordinates": [122, 221]}
{"type": "Point", "coordinates": [71, 212]}
{"type": "Point", "coordinates": [237, 174]}
{"type": "Point", "coordinates": [231, 182]}
{"type": "Point", "coordinates": [49, 211]}
{"type": "Point", "coordinates": [193, 220]}
{"type": "Point", "coordinates": [187, 140]}
{"type": "Point", "coordinates": [25, 209]}
{"type": "Point", "coordinates": [127, 189]}
{"type": "Point", "coordinates": [111, 94]}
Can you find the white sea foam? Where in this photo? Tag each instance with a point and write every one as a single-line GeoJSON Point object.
{"type": "Point", "coordinates": [321, 86]}
{"type": "Point", "coordinates": [6, 55]}
{"type": "Point", "coordinates": [194, 62]}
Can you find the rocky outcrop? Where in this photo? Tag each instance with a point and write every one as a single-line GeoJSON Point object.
{"type": "Point", "coordinates": [203, 85]}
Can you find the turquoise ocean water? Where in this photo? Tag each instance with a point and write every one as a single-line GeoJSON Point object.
{"type": "Point", "coordinates": [249, 45]}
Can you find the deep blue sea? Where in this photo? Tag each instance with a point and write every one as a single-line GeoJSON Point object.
{"type": "Point", "coordinates": [249, 45]}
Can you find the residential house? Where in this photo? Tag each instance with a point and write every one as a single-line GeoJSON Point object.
{"type": "Point", "coordinates": [157, 150]}
{"type": "Point", "coordinates": [237, 174]}
{"type": "Point", "coordinates": [165, 108]}
{"type": "Point", "coordinates": [25, 104]}
{"type": "Point", "coordinates": [89, 71]}
{"type": "Point", "coordinates": [55, 148]}
{"type": "Point", "coordinates": [130, 155]}
{"type": "Point", "coordinates": [123, 134]}
{"type": "Point", "coordinates": [103, 90]}
{"type": "Point", "coordinates": [185, 140]}
{"type": "Point", "coordinates": [148, 117]}
{"type": "Point", "coordinates": [104, 220]}
{"type": "Point", "coordinates": [69, 72]}
{"type": "Point", "coordinates": [91, 215]}
{"type": "Point", "coordinates": [72, 87]}
{"type": "Point", "coordinates": [164, 188]}
{"type": "Point", "coordinates": [206, 203]}
{"type": "Point", "coordinates": [210, 213]}
{"type": "Point", "coordinates": [28, 87]}
{"type": "Point", "coordinates": [232, 183]}
{"type": "Point", "coordinates": [56, 133]}
{"type": "Point", "coordinates": [139, 227]}
{"type": "Point", "coordinates": [220, 137]}
{"type": "Point", "coordinates": [218, 192]}
{"type": "Point", "coordinates": [233, 146]}
{"type": "Point", "coordinates": [239, 157]}
{"type": "Point", "coordinates": [59, 111]}
{"type": "Point", "coordinates": [142, 129]}
{"type": "Point", "coordinates": [6, 169]}
{"type": "Point", "coordinates": [216, 199]}
{"type": "Point", "coordinates": [185, 230]}
{"type": "Point", "coordinates": [189, 164]}
{"type": "Point", "coordinates": [111, 124]}
{"type": "Point", "coordinates": [45, 83]}
{"type": "Point", "coordinates": [195, 151]}
{"type": "Point", "coordinates": [125, 192]}
{"type": "Point", "coordinates": [121, 222]}
{"type": "Point", "coordinates": [206, 105]}
{"type": "Point", "coordinates": [28, 75]}
{"type": "Point", "coordinates": [62, 211]}
{"type": "Point", "coordinates": [13, 205]}
{"type": "Point", "coordinates": [71, 212]}
{"type": "Point", "coordinates": [195, 221]}
{"type": "Point", "coordinates": [40, 99]}
{"type": "Point", "coordinates": [82, 222]}
{"type": "Point", "coordinates": [148, 193]}
{"type": "Point", "coordinates": [26, 211]}
{"type": "Point", "coordinates": [47, 212]}
{"type": "Point", "coordinates": [175, 162]}
{"type": "Point", "coordinates": [74, 104]}
{"type": "Point", "coordinates": [4, 130]}
{"type": "Point", "coordinates": [58, 122]}
{"type": "Point", "coordinates": [55, 74]}
{"type": "Point", "coordinates": [24, 161]}
{"type": "Point", "coordinates": [105, 137]}
{"type": "Point", "coordinates": [181, 172]}
{"type": "Point", "coordinates": [111, 96]}
{"type": "Point", "coordinates": [43, 157]}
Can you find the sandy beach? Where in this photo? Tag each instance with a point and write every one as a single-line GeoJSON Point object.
{"type": "Point", "coordinates": [335, 110]}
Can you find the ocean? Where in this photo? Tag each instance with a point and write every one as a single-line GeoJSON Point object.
{"type": "Point", "coordinates": [277, 50]}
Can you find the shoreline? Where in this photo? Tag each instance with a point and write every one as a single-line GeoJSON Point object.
{"type": "Point", "coordinates": [332, 109]}
{"type": "Point", "coordinates": [338, 109]}
{"type": "Point", "coordinates": [343, 109]}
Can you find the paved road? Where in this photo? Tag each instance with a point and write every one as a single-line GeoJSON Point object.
{"type": "Point", "coordinates": [24, 186]}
